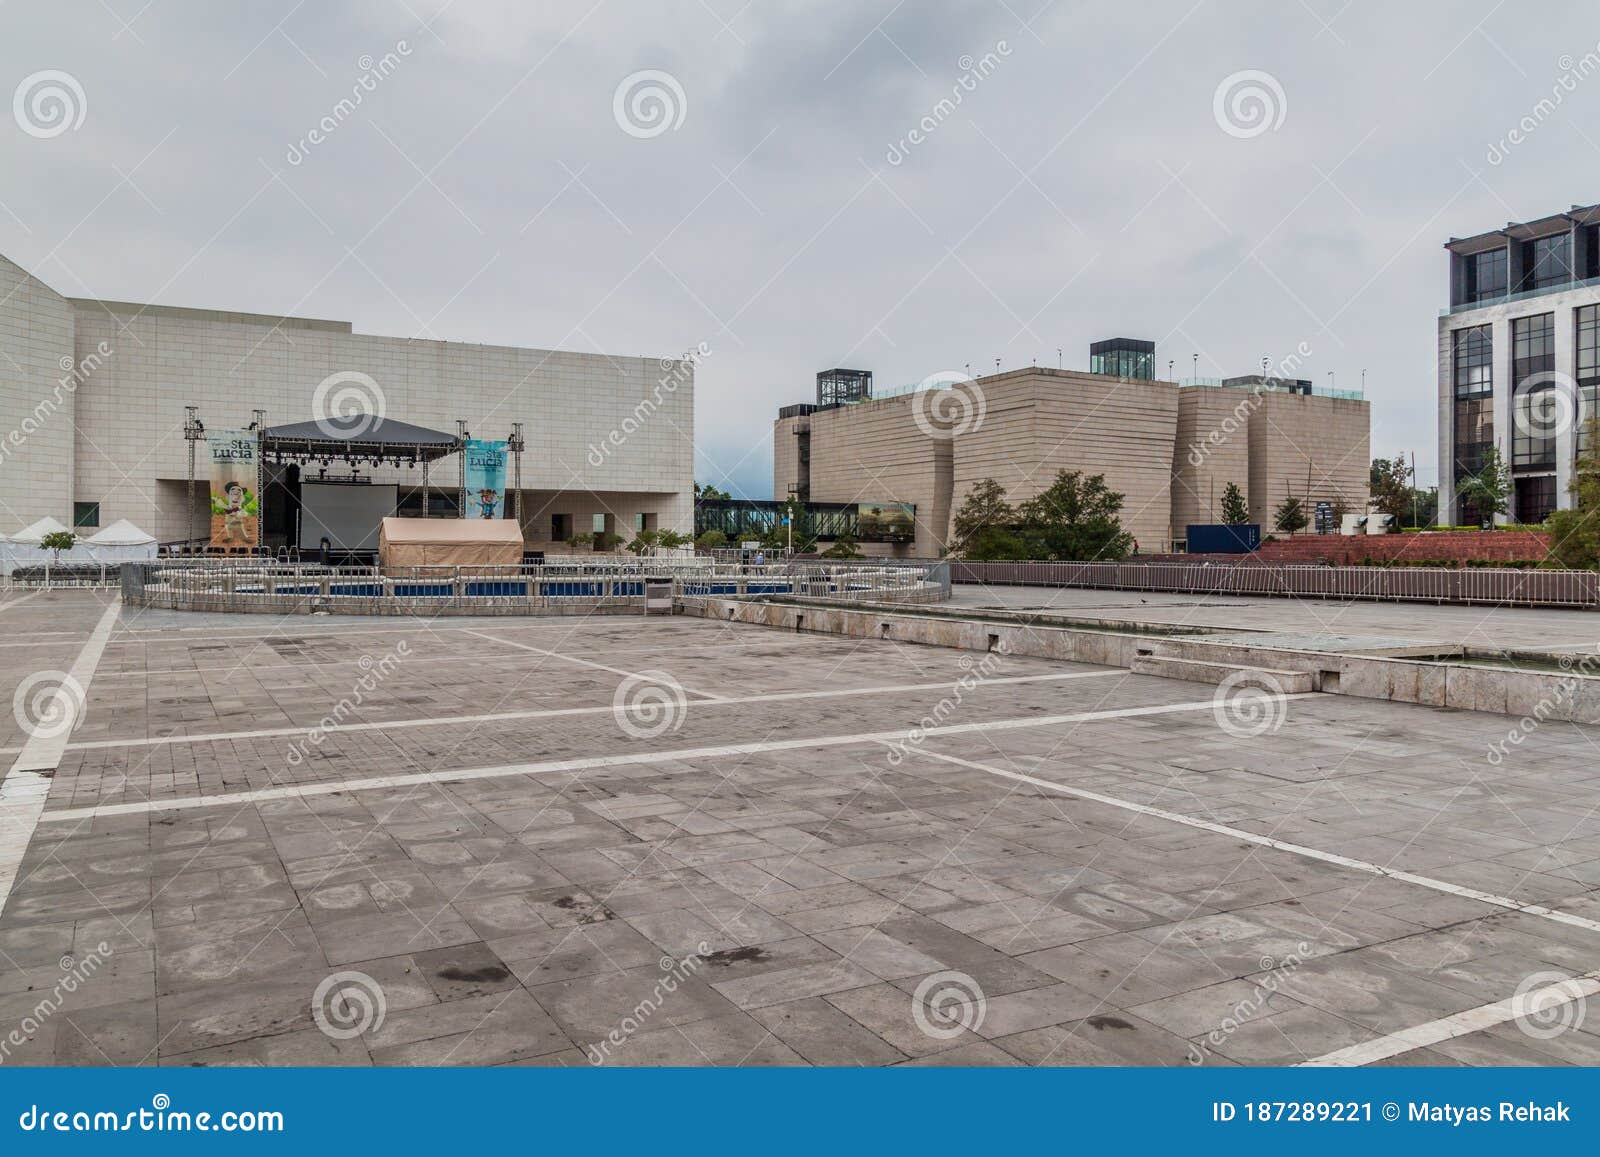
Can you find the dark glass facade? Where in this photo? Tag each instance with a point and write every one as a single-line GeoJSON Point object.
{"type": "Point", "coordinates": [1547, 261]}
{"type": "Point", "coordinates": [1536, 498]}
{"type": "Point", "coordinates": [1473, 370]}
{"type": "Point", "coordinates": [1123, 357]}
{"type": "Point", "coordinates": [1486, 276]}
{"type": "Point", "coordinates": [1586, 366]}
{"type": "Point", "coordinates": [1534, 404]}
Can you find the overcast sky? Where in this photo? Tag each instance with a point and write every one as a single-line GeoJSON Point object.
{"type": "Point", "coordinates": [1089, 182]}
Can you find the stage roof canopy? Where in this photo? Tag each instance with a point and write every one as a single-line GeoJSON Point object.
{"type": "Point", "coordinates": [358, 436]}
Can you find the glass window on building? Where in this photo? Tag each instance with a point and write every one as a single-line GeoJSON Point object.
{"type": "Point", "coordinates": [1473, 357]}
{"type": "Point", "coordinates": [1536, 498]}
{"type": "Point", "coordinates": [1533, 349]}
{"type": "Point", "coordinates": [1123, 357]}
{"type": "Point", "coordinates": [85, 514]}
{"type": "Point", "coordinates": [1586, 363]}
{"type": "Point", "coordinates": [1474, 434]}
{"type": "Point", "coordinates": [1535, 404]}
{"type": "Point", "coordinates": [1486, 275]}
{"type": "Point", "coordinates": [1547, 261]}
{"type": "Point", "coordinates": [1535, 417]}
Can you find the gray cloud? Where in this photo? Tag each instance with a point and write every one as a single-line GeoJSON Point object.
{"type": "Point", "coordinates": [482, 191]}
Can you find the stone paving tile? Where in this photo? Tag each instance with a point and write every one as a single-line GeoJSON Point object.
{"type": "Point", "coordinates": [733, 1039]}
{"type": "Point", "coordinates": [803, 895]}
{"type": "Point", "coordinates": [482, 1030]}
{"type": "Point", "coordinates": [588, 1008]}
{"type": "Point", "coordinates": [823, 1035]}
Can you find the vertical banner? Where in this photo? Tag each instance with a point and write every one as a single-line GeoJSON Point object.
{"type": "Point", "coordinates": [235, 508]}
{"type": "Point", "coordinates": [486, 479]}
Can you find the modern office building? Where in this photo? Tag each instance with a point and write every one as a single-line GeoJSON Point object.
{"type": "Point", "coordinates": [93, 397]}
{"type": "Point", "coordinates": [1519, 359]}
{"type": "Point", "coordinates": [1170, 448]}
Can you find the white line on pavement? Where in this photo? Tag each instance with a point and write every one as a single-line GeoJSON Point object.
{"type": "Point", "coordinates": [1540, 1000]}
{"type": "Point", "coordinates": [24, 790]}
{"type": "Point", "coordinates": [583, 662]}
{"type": "Point", "coordinates": [560, 712]}
{"type": "Point", "coordinates": [1278, 845]}
{"type": "Point", "coordinates": [546, 767]}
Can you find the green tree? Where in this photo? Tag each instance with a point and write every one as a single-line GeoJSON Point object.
{"type": "Point", "coordinates": [779, 536]}
{"type": "Point", "coordinates": [1575, 533]}
{"type": "Point", "coordinates": [710, 492]}
{"type": "Point", "coordinates": [1075, 519]}
{"type": "Point", "coordinates": [1392, 493]}
{"type": "Point", "coordinates": [984, 527]}
{"type": "Point", "coordinates": [1291, 516]}
{"type": "Point", "coordinates": [1425, 507]}
{"type": "Point", "coordinates": [1489, 490]}
{"type": "Point", "coordinates": [711, 540]}
{"type": "Point", "coordinates": [1235, 511]}
{"type": "Point", "coordinates": [57, 541]}
{"type": "Point", "coordinates": [843, 547]}
{"type": "Point", "coordinates": [644, 540]}
{"type": "Point", "coordinates": [672, 540]}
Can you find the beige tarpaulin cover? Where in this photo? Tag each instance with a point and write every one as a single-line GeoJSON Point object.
{"type": "Point", "coordinates": [449, 542]}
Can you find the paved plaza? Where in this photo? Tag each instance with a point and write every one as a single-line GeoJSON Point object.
{"type": "Point", "coordinates": [1485, 627]}
{"type": "Point", "coordinates": [646, 841]}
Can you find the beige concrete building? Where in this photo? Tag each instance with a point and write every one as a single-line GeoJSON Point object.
{"type": "Point", "coordinates": [92, 397]}
{"type": "Point", "coordinates": [1170, 450]}
{"type": "Point", "coordinates": [1317, 449]}
{"type": "Point", "coordinates": [1036, 423]}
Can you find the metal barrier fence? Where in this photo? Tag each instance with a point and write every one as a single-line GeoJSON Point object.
{"type": "Point", "coordinates": [219, 586]}
{"type": "Point", "coordinates": [1477, 586]}
{"type": "Point", "coordinates": [48, 575]}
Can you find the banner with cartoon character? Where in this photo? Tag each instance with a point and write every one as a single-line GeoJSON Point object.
{"type": "Point", "coordinates": [235, 509]}
{"type": "Point", "coordinates": [486, 479]}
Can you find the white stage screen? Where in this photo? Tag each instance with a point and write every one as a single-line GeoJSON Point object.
{"type": "Point", "coordinates": [347, 516]}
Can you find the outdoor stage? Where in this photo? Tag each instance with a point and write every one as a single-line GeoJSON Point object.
{"type": "Point", "coordinates": [313, 488]}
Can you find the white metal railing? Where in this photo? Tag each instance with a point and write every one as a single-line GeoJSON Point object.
{"type": "Point", "coordinates": [1475, 585]}
{"type": "Point", "coordinates": [240, 585]}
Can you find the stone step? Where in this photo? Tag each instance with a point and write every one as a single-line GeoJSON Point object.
{"type": "Point", "coordinates": [1239, 675]}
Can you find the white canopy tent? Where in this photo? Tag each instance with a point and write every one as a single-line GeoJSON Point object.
{"type": "Point", "coordinates": [122, 541]}
{"type": "Point", "coordinates": [31, 534]}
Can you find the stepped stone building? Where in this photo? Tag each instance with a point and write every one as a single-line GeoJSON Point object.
{"type": "Point", "coordinates": [1170, 449]}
